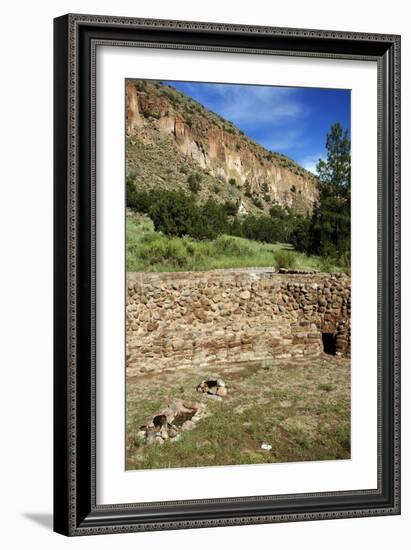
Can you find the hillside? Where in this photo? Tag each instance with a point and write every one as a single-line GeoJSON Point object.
{"type": "Point", "coordinates": [172, 139]}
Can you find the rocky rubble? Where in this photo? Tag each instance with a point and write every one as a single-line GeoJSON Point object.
{"type": "Point", "coordinates": [171, 422]}
{"type": "Point", "coordinates": [214, 388]}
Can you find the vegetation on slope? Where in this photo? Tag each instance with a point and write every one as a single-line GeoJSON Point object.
{"type": "Point", "coordinates": [148, 250]}
{"type": "Point", "coordinates": [189, 108]}
{"type": "Point", "coordinates": [192, 235]}
{"type": "Point", "coordinates": [157, 157]}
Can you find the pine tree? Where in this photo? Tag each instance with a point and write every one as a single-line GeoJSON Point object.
{"type": "Point", "coordinates": [335, 173]}
{"type": "Point", "coordinates": [328, 232]}
{"type": "Point", "coordinates": [331, 220]}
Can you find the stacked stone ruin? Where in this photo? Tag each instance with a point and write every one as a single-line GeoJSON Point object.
{"type": "Point", "coordinates": [179, 320]}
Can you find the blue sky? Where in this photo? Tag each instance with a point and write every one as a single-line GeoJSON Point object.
{"type": "Point", "coordinates": [292, 121]}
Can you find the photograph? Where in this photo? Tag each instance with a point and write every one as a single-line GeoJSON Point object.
{"type": "Point", "coordinates": [238, 274]}
{"type": "Point", "coordinates": [226, 274]}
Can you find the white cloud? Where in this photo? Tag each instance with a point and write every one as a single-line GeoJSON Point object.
{"type": "Point", "coordinates": [283, 140]}
{"type": "Point", "coordinates": [310, 162]}
{"type": "Point", "coordinates": [244, 104]}
{"type": "Point", "coordinates": [311, 167]}
{"type": "Point", "coordinates": [251, 104]}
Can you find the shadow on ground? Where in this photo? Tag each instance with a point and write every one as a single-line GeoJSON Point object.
{"type": "Point", "coordinates": [44, 520]}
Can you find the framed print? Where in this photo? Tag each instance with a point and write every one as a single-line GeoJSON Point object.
{"type": "Point", "coordinates": [227, 280]}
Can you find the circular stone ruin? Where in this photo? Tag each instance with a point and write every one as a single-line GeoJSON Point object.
{"type": "Point", "coordinates": [214, 388]}
{"type": "Point", "coordinates": [176, 418]}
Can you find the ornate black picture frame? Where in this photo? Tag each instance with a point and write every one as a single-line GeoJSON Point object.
{"type": "Point", "coordinates": [76, 38]}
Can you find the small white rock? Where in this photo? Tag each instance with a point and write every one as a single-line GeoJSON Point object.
{"type": "Point", "coordinates": [266, 446]}
{"type": "Point", "coordinates": [214, 397]}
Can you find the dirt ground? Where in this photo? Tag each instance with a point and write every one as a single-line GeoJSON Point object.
{"type": "Point", "coordinates": [300, 407]}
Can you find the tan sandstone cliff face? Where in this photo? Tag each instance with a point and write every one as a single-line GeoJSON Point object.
{"type": "Point", "coordinates": [216, 146]}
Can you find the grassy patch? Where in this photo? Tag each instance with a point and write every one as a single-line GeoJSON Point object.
{"type": "Point", "coordinates": [279, 404]}
{"type": "Point", "coordinates": [148, 250]}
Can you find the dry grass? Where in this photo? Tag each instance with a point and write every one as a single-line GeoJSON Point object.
{"type": "Point", "coordinates": [300, 407]}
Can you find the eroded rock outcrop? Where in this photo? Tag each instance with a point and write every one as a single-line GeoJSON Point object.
{"type": "Point", "coordinates": [165, 125]}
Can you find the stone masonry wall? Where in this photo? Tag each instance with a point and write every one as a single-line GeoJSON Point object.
{"type": "Point", "coordinates": [176, 320]}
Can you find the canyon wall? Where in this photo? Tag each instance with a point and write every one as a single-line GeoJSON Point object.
{"type": "Point", "coordinates": [180, 320]}
{"type": "Point", "coordinates": [220, 150]}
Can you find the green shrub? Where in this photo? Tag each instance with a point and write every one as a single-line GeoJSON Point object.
{"type": "Point", "coordinates": [194, 182]}
{"type": "Point", "coordinates": [141, 85]}
{"type": "Point", "coordinates": [150, 237]}
{"type": "Point", "coordinates": [230, 208]}
{"type": "Point", "coordinates": [326, 264]}
{"type": "Point", "coordinates": [174, 213]}
{"type": "Point", "coordinates": [204, 249]}
{"type": "Point", "coordinates": [138, 200]}
{"type": "Point", "coordinates": [231, 247]}
{"type": "Point", "coordinates": [345, 259]}
{"type": "Point", "coordinates": [147, 113]}
{"type": "Point", "coordinates": [165, 250]}
{"type": "Point", "coordinates": [131, 194]}
{"type": "Point", "coordinates": [299, 235]}
{"type": "Point", "coordinates": [257, 202]}
{"type": "Point", "coordinates": [177, 253]}
{"type": "Point", "coordinates": [247, 188]}
{"type": "Point", "coordinates": [212, 221]}
{"type": "Point", "coordinates": [285, 259]}
{"type": "Point", "coordinates": [172, 94]}
{"type": "Point", "coordinates": [258, 228]}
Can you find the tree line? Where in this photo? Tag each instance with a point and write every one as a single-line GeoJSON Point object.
{"type": "Point", "coordinates": [325, 233]}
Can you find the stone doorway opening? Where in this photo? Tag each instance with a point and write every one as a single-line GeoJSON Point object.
{"type": "Point", "coordinates": [329, 343]}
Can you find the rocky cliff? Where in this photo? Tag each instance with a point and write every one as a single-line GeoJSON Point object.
{"type": "Point", "coordinates": [170, 136]}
